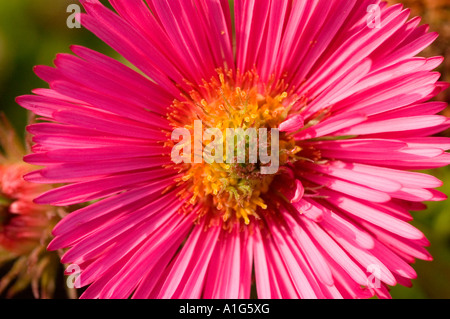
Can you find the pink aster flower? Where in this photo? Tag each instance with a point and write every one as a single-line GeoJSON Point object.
{"type": "Point", "coordinates": [25, 227]}
{"type": "Point", "coordinates": [348, 96]}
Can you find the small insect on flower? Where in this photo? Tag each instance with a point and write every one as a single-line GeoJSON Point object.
{"type": "Point", "coordinates": [24, 226]}
{"type": "Point", "coordinates": [347, 100]}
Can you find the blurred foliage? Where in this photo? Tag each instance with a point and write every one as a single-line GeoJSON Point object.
{"type": "Point", "coordinates": [435, 13]}
{"type": "Point", "coordinates": [434, 277]}
{"type": "Point", "coordinates": [32, 32]}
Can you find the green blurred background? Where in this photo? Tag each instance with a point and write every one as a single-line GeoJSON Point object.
{"type": "Point", "coordinates": [33, 31]}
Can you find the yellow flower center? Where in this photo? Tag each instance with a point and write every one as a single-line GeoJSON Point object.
{"type": "Point", "coordinates": [232, 191]}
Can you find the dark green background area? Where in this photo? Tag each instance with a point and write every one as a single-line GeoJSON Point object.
{"type": "Point", "coordinates": [32, 32]}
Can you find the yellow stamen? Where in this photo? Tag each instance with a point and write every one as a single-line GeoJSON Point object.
{"type": "Point", "coordinates": [233, 191]}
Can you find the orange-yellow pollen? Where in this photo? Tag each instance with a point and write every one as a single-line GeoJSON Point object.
{"type": "Point", "coordinates": [232, 191]}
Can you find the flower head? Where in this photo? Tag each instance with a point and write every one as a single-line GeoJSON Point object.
{"type": "Point", "coordinates": [336, 84]}
{"type": "Point", "coordinates": [24, 226]}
